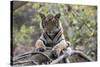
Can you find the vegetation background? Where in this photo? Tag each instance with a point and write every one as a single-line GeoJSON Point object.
{"type": "Point", "coordinates": [79, 23]}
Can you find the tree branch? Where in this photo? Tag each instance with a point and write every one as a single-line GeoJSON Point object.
{"type": "Point", "coordinates": [66, 55]}
{"type": "Point", "coordinates": [44, 57]}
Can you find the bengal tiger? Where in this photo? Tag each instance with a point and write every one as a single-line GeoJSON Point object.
{"type": "Point", "coordinates": [52, 35]}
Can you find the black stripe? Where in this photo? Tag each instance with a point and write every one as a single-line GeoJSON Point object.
{"type": "Point", "coordinates": [43, 41]}
{"type": "Point", "coordinates": [58, 38]}
{"type": "Point", "coordinates": [56, 33]}
{"type": "Point", "coordinates": [59, 41]}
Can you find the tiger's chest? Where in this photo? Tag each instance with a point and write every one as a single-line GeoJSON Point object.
{"type": "Point", "coordinates": [51, 40]}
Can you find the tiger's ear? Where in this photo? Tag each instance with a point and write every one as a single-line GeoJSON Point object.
{"type": "Point", "coordinates": [57, 15]}
{"type": "Point", "coordinates": [42, 16]}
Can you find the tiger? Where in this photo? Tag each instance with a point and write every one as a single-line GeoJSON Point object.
{"type": "Point", "coordinates": [52, 35]}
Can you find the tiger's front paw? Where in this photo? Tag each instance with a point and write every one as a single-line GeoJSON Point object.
{"type": "Point", "coordinates": [40, 49]}
{"type": "Point", "coordinates": [54, 54]}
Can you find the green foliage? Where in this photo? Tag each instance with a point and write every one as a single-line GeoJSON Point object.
{"type": "Point", "coordinates": [23, 35]}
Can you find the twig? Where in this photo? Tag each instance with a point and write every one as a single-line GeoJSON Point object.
{"type": "Point", "coordinates": [82, 55]}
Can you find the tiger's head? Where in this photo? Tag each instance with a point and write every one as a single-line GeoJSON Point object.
{"type": "Point", "coordinates": [50, 23]}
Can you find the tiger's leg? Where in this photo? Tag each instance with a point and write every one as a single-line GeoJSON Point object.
{"type": "Point", "coordinates": [40, 45]}
{"type": "Point", "coordinates": [57, 49]}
